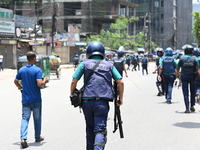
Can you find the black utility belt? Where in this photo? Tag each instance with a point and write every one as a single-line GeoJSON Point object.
{"type": "Point", "coordinates": [96, 99]}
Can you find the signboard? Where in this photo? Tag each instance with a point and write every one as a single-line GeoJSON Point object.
{"type": "Point", "coordinates": [70, 39]}
{"type": "Point", "coordinates": [25, 33]}
{"type": "Point", "coordinates": [6, 13]}
{"type": "Point", "coordinates": [8, 42]}
{"type": "Point", "coordinates": [24, 22]}
{"type": "Point", "coordinates": [73, 28]}
{"type": "Point", "coordinates": [7, 28]}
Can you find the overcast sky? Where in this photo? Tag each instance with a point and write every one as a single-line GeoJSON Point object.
{"type": "Point", "coordinates": [194, 1]}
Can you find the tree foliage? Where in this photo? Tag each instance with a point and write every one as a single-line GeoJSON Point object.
{"type": "Point", "coordinates": [117, 35]}
{"type": "Point", "coordinates": [196, 29]}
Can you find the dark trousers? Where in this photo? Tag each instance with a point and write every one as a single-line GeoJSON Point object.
{"type": "Point", "coordinates": [160, 84]}
{"type": "Point", "coordinates": [96, 113]}
{"type": "Point", "coordinates": [1, 66]}
{"type": "Point", "coordinates": [144, 67]}
{"type": "Point", "coordinates": [169, 82]}
{"type": "Point", "coordinates": [134, 66]}
{"type": "Point", "coordinates": [188, 82]}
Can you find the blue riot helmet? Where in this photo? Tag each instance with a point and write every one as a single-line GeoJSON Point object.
{"type": "Point", "coordinates": [188, 49]}
{"type": "Point", "coordinates": [196, 51]}
{"type": "Point", "coordinates": [95, 48]}
{"type": "Point", "coordinates": [120, 53]}
{"type": "Point", "coordinates": [169, 51]}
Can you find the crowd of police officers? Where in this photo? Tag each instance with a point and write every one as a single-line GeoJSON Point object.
{"type": "Point", "coordinates": [176, 68]}
{"type": "Point", "coordinates": [173, 67]}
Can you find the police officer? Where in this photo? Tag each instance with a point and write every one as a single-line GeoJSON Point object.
{"type": "Point", "coordinates": [119, 63]}
{"type": "Point", "coordinates": [128, 61]}
{"type": "Point", "coordinates": [76, 60]}
{"type": "Point", "coordinates": [97, 93]}
{"type": "Point", "coordinates": [138, 61]}
{"type": "Point", "coordinates": [168, 68]}
{"type": "Point", "coordinates": [197, 54]}
{"type": "Point", "coordinates": [159, 84]}
{"type": "Point", "coordinates": [134, 62]}
{"type": "Point", "coordinates": [144, 62]}
{"type": "Point", "coordinates": [189, 69]}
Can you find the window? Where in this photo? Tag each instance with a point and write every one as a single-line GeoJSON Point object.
{"type": "Point", "coordinates": [161, 16]}
{"type": "Point", "coordinates": [78, 12]}
{"type": "Point", "coordinates": [162, 3]}
{"type": "Point", "coordinates": [162, 30]}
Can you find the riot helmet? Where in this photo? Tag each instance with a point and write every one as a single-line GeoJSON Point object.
{"type": "Point", "coordinates": [95, 48]}
{"type": "Point", "coordinates": [120, 53]}
{"type": "Point", "coordinates": [188, 49]}
{"type": "Point", "coordinates": [169, 51]}
{"type": "Point", "coordinates": [159, 50]}
{"type": "Point", "coordinates": [196, 51]}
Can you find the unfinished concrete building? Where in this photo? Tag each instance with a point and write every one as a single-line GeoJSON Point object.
{"type": "Point", "coordinates": [89, 15]}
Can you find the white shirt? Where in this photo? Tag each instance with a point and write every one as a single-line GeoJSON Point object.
{"type": "Point", "coordinates": [1, 58]}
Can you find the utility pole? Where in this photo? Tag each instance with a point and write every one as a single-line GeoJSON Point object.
{"type": "Point", "coordinates": [53, 28]}
{"type": "Point", "coordinates": [175, 22]}
{"type": "Point", "coordinates": [35, 30]}
{"type": "Point", "coordinates": [145, 29]}
{"type": "Point", "coordinates": [148, 14]}
{"type": "Point", "coordinates": [149, 24]}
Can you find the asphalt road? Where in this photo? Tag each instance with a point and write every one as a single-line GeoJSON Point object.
{"type": "Point", "coordinates": [148, 122]}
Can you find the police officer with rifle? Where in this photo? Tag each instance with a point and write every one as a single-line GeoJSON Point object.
{"type": "Point", "coordinates": [98, 91]}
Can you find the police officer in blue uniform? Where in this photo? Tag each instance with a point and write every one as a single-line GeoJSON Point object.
{"type": "Point", "coordinates": [119, 63]}
{"type": "Point", "coordinates": [144, 62]}
{"type": "Point", "coordinates": [134, 62]}
{"type": "Point", "coordinates": [128, 62]}
{"type": "Point", "coordinates": [97, 93]}
{"type": "Point", "coordinates": [189, 69]}
{"type": "Point", "coordinates": [168, 68]}
{"type": "Point", "coordinates": [159, 84]}
{"type": "Point", "coordinates": [197, 54]}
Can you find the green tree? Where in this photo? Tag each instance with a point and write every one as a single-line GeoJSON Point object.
{"type": "Point", "coordinates": [117, 34]}
{"type": "Point", "coordinates": [196, 29]}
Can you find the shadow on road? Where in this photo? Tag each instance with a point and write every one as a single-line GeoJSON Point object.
{"type": "Point", "coordinates": [190, 125]}
{"type": "Point", "coordinates": [36, 144]}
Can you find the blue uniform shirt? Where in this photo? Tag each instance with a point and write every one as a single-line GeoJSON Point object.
{"type": "Point", "coordinates": [180, 63]}
{"type": "Point", "coordinates": [80, 70]}
{"type": "Point", "coordinates": [161, 63]}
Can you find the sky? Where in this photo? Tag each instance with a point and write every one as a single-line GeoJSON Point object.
{"type": "Point", "coordinates": [194, 1]}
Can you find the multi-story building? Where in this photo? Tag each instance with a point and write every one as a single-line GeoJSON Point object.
{"type": "Point", "coordinates": [167, 22]}
{"type": "Point", "coordinates": [90, 15]}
